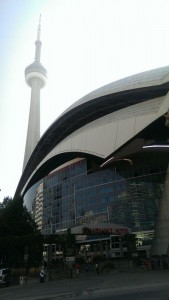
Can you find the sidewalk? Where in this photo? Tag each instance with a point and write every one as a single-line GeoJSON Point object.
{"type": "Point", "coordinates": [86, 285]}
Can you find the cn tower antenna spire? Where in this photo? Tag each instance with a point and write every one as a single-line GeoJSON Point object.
{"type": "Point", "coordinates": [38, 43]}
{"type": "Point", "coordinates": [39, 29]}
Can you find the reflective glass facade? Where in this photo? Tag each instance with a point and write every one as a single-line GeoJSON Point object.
{"type": "Point", "coordinates": [70, 196]}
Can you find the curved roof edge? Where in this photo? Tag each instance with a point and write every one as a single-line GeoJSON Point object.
{"type": "Point", "coordinates": [143, 86]}
{"type": "Point", "coordinates": [147, 78]}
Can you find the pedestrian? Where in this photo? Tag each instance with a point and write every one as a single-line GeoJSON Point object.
{"type": "Point", "coordinates": [87, 266]}
{"type": "Point", "coordinates": [42, 275]}
{"type": "Point", "coordinates": [97, 268]}
{"type": "Point", "coordinates": [77, 268]}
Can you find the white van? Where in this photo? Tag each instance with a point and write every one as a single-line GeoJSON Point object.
{"type": "Point", "coordinates": [5, 276]}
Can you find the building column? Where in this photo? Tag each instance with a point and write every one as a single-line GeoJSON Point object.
{"type": "Point", "coordinates": [161, 236]}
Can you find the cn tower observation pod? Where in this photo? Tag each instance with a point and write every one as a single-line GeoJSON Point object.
{"type": "Point", "coordinates": [36, 70]}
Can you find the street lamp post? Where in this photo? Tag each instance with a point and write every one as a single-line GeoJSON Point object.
{"type": "Point", "coordinates": [74, 202]}
{"type": "Point", "coordinates": [26, 255]}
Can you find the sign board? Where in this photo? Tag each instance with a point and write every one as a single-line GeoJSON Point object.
{"type": "Point", "coordinates": [70, 259]}
{"type": "Point", "coordinates": [100, 228]}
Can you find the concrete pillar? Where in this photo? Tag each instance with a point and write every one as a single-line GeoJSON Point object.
{"type": "Point", "coordinates": [161, 235]}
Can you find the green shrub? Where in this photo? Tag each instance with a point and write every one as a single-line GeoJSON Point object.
{"type": "Point", "coordinates": [18, 272]}
{"type": "Point", "coordinates": [108, 265]}
{"type": "Point", "coordinates": [34, 272]}
{"type": "Point", "coordinates": [98, 258]}
{"type": "Point", "coordinates": [80, 260]}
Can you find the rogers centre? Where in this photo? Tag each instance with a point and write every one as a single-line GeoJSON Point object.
{"type": "Point", "coordinates": [105, 160]}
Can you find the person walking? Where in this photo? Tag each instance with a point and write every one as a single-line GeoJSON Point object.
{"type": "Point", "coordinates": [42, 275]}
{"type": "Point", "coordinates": [97, 268]}
{"type": "Point", "coordinates": [77, 268]}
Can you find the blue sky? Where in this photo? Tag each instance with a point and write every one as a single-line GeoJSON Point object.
{"type": "Point", "coordinates": [85, 45]}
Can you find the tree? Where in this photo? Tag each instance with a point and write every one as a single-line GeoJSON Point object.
{"type": "Point", "coordinates": [65, 242]}
{"type": "Point", "coordinates": [18, 231]}
{"type": "Point", "coordinates": [16, 220]}
{"type": "Point", "coordinates": [5, 201]}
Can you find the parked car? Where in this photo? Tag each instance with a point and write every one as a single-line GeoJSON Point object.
{"type": "Point", "coordinates": [5, 276]}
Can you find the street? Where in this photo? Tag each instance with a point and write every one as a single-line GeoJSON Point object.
{"type": "Point", "coordinates": [160, 293]}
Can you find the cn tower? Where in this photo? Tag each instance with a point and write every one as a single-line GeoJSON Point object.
{"type": "Point", "coordinates": [35, 76]}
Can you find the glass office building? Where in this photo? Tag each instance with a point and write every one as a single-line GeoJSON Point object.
{"type": "Point", "coordinates": [72, 196]}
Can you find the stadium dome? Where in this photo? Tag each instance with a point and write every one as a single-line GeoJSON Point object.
{"type": "Point", "coordinates": [131, 103]}
{"type": "Point", "coordinates": [120, 126]}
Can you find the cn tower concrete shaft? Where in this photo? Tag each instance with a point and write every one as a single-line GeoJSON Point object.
{"type": "Point", "coordinates": [33, 132]}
